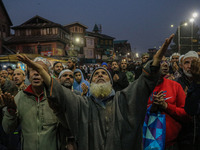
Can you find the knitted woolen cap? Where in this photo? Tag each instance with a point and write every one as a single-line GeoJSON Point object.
{"type": "Point", "coordinates": [111, 81]}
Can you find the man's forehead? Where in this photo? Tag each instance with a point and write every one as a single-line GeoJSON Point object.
{"type": "Point", "coordinates": [17, 71]}
{"type": "Point", "coordinates": [100, 70]}
{"type": "Point", "coordinates": [189, 59]}
{"type": "Point", "coordinates": [58, 64]}
{"type": "Point", "coordinates": [175, 56]}
{"type": "Point", "coordinates": [67, 73]}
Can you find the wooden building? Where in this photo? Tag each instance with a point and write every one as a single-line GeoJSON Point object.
{"type": "Point", "coordinates": [39, 36]}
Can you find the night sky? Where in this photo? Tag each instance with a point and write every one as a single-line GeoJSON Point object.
{"type": "Point", "coordinates": [144, 23]}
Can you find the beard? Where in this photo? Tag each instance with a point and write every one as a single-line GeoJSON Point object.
{"type": "Point", "coordinates": [187, 73]}
{"type": "Point", "coordinates": [100, 90]}
{"type": "Point", "coordinates": [67, 85]}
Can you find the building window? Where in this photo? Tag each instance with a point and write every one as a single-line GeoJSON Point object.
{"type": "Point", "coordinates": [110, 42]}
{"type": "Point", "coordinates": [76, 29]}
{"type": "Point", "coordinates": [106, 42]}
{"type": "Point", "coordinates": [23, 32]}
{"type": "Point", "coordinates": [36, 32]}
{"type": "Point", "coordinates": [81, 30]}
{"type": "Point", "coordinates": [102, 43]}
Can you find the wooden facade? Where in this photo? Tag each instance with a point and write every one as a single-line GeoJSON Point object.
{"type": "Point", "coordinates": [39, 36]}
{"type": "Point", "coordinates": [5, 24]}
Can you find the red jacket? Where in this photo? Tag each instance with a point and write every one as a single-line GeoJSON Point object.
{"type": "Point", "coordinates": [175, 113]}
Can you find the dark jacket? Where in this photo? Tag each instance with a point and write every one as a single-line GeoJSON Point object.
{"type": "Point", "coordinates": [118, 125]}
{"type": "Point", "coordinates": [122, 82]}
{"type": "Point", "coordinates": [192, 107]}
{"type": "Point", "coordinates": [184, 81]}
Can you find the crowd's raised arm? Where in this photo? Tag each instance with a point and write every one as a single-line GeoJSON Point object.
{"type": "Point", "coordinates": [102, 107]}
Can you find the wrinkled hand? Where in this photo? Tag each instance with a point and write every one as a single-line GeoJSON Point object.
{"type": "Point", "coordinates": [161, 52]}
{"type": "Point", "coordinates": [2, 104]}
{"type": "Point", "coordinates": [9, 101]}
{"type": "Point", "coordinates": [115, 78]}
{"type": "Point", "coordinates": [195, 70]}
{"type": "Point", "coordinates": [84, 88]}
{"type": "Point", "coordinates": [175, 67]}
{"type": "Point", "coordinates": [185, 90]}
{"type": "Point", "coordinates": [23, 87]}
{"type": "Point", "coordinates": [158, 100]}
{"type": "Point", "coordinates": [30, 63]}
{"type": "Point", "coordinates": [2, 81]}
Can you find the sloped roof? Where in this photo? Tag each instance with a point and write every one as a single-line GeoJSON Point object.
{"type": "Point", "coordinates": [102, 36]}
{"type": "Point", "coordinates": [38, 22]}
{"type": "Point", "coordinates": [76, 23]}
{"type": "Point", "coordinates": [4, 9]}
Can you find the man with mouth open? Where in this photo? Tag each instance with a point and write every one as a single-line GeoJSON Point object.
{"type": "Point", "coordinates": [106, 120]}
{"type": "Point", "coordinates": [30, 110]}
{"type": "Point", "coordinates": [19, 78]}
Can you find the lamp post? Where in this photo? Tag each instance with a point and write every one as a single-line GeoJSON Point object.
{"type": "Point", "coordinates": [179, 35]}
{"type": "Point", "coordinates": [194, 15]}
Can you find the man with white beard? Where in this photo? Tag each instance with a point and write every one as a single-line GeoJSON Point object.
{"type": "Point", "coordinates": [106, 120]}
{"type": "Point", "coordinates": [186, 78]}
{"type": "Point", "coordinates": [186, 134]}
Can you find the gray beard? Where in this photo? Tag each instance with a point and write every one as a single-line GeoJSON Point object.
{"type": "Point", "coordinates": [67, 85]}
{"type": "Point", "coordinates": [100, 90]}
{"type": "Point", "coordinates": [187, 74]}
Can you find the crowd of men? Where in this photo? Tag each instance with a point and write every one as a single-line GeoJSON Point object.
{"type": "Point", "coordinates": [100, 107]}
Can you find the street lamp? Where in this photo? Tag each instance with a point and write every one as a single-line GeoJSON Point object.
{"type": "Point", "coordinates": [127, 55]}
{"type": "Point", "coordinates": [77, 39]}
{"type": "Point", "coordinates": [137, 55]}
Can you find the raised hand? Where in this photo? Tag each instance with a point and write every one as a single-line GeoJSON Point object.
{"type": "Point", "coordinates": [115, 78]}
{"type": "Point", "coordinates": [36, 66]}
{"type": "Point", "coordinates": [84, 88]}
{"type": "Point", "coordinates": [161, 52]}
{"type": "Point", "coordinates": [9, 101]}
{"type": "Point", "coordinates": [2, 104]}
{"type": "Point", "coordinates": [30, 63]}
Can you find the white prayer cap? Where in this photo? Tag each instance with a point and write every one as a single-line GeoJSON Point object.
{"type": "Point", "coordinates": [191, 54]}
{"type": "Point", "coordinates": [61, 73]}
{"type": "Point", "coordinates": [180, 58]}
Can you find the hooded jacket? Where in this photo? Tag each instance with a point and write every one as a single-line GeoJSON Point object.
{"type": "Point", "coordinates": [77, 86]}
{"type": "Point", "coordinates": [118, 125]}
